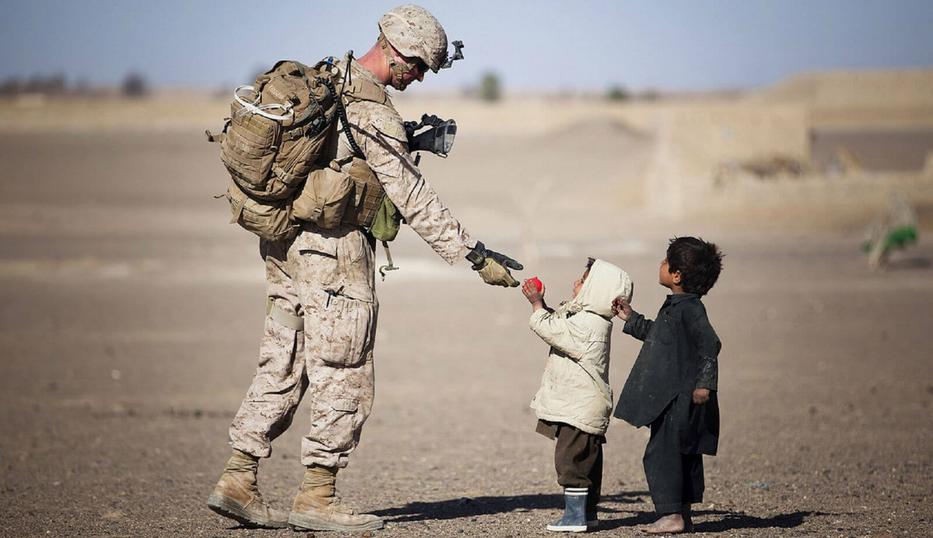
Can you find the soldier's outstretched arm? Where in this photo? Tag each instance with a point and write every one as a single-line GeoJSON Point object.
{"type": "Point", "coordinates": [385, 146]}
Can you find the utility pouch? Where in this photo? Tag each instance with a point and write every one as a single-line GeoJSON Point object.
{"type": "Point", "coordinates": [269, 220]}
{"type": "Point", "coordinates": [387, 221]}
{"type": "Point", "coordinates": [248, 147]}
{"type": "Point", "coordinates": [367, 195]}
{"type": "Point", "coordinates": [323, 199]}
{"type": "Point", "coordinates": [371, 209]}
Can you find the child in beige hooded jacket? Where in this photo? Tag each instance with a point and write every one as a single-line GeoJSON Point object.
{"type": "Point", "coordinates": [574, 402]}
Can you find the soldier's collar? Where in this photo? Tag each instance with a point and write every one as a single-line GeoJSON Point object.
{"type": "Point", "coordinates": [356, 70]}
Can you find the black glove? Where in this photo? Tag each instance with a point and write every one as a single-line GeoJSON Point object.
{"type": "Point", "coordinates": [492, 266]}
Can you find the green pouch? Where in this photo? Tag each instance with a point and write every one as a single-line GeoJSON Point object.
{"type": "Point", "coordinates": [387, 221]}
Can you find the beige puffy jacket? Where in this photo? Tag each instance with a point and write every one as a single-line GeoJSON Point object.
{"type": "Point", "coordinates": [575, 386]}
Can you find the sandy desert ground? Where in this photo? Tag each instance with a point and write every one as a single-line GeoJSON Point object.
{"type": "Point", "coordinates": [130, 316]}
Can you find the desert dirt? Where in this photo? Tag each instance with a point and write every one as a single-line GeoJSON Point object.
{"type": "Point", "coordinates": [131, 312]}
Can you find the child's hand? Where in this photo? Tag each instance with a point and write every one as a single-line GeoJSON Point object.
{"type": "Point", "coordinates": [531, 292]}
{"type": "Point", "coordinates": [700, 396]}
{"type": "Point", "coordinates": [621, 308]}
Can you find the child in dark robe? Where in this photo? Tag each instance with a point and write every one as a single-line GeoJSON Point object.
{"type": "Point", "coordinates": [673, 383]}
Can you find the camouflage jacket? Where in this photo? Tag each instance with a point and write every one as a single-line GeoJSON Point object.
{"type": "Point", "coordinates": [379, 131]}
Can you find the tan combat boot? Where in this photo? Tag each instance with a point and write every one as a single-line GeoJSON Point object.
{"type": "Point", "coordinates": [237, 496]}
{"type": "Point", "coordinates": [317, 506]}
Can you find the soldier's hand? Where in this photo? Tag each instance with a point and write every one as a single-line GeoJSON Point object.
{"type": "Point", "coordinates": [700, 396]}
{"type": "Point", "coordinates": [504, 260]}
{"type": "Point", "coordinates": [493, 267]}
{"type": "Point", "coordinates": [496, 274]}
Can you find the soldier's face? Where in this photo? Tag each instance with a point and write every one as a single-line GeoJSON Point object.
{"type": "Point", "coordinates": [416, 70]}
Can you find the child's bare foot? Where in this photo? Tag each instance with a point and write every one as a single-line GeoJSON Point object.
{"type": "Point", "coordinates": [669, 524]}
{"type": "Point", "coordinates": [687, 514]}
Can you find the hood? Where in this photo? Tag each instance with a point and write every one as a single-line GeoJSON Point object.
{"type": "Point", "coordinates": [604, 283]}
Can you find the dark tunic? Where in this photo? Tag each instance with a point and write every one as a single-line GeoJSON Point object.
{"type": "Point", "coordinates": [679, 355]}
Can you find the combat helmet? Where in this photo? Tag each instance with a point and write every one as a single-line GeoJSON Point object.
{"type": "Point", "coordinates": [414, 32]}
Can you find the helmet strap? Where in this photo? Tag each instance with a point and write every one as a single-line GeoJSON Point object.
{"type": "Point", "coordinates": [396, 68]}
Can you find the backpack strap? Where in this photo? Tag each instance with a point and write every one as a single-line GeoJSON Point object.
{"type": "Point", "coordinates": [355, 88]}
{"type": "Point", "coordinates": [342, 116]}
{"type": "Point", "coordinates": [360, 89]}
{"type": "Point", "coordinates": [216, 138]}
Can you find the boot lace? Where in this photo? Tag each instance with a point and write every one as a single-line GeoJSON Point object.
{"type": "Point", "coordinates": [339, 506]}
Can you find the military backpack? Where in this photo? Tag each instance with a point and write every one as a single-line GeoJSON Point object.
{"type": "Point", "coordinates": [274, 146]}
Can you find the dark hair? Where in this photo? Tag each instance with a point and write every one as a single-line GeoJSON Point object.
{"type": "Point", "coordinates": [698, 261]}
{"type": "Point", "coordinates": [589, 263]}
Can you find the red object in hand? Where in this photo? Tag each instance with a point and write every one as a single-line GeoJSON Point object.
{"type": "Point", "coordinates": [537, 283]}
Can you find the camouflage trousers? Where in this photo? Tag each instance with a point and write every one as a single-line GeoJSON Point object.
{"type": "Point", "coordinates": [318, 341]}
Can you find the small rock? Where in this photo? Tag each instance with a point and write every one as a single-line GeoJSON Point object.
{"type": "Point", "coordinates": [113, 515]}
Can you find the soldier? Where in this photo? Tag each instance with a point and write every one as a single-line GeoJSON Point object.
{"type": "Point", "coordinates": [322, 307]}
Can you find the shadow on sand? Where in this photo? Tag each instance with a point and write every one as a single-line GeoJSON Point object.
{"type": "Point", "coordinates": [466, 507]}
{"type": "Point", "coordinates": [478, 506]}
{"type": "Point", "coordinates": [904, 264]}
{"type": "Point", "coordinates": [722, 521]}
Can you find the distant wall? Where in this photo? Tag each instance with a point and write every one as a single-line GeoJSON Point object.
{"type": "Point", "coordinates": [908, 87]}
{"type": "Point", "coordinates": [694, 141]}
{"type": "Point", "coordinates": [875, 99]}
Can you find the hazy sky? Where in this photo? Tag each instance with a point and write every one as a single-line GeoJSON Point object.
{"type": "Point", "coordinates": [548, 44]}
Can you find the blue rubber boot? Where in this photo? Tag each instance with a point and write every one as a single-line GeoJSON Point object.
{"type": "Point", "coordinates": [574, 519]}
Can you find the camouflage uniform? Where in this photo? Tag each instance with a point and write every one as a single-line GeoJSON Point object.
{"type": "Point", "coordinates": [326, 278]}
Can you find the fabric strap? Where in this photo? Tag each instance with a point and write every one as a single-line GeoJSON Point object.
{"type": "Point", "coordinates": [284, 317]}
